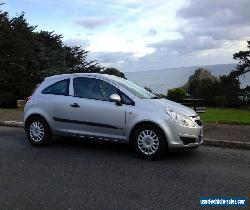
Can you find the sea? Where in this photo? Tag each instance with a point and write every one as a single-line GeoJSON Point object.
{"type": "Point", "coordinates": [160, 81]}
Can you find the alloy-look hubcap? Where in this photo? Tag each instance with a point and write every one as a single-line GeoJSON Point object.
{"type": "Point", "coordinates": [36, 131]}
{"type": "Point", "coordinates": [148, 142]}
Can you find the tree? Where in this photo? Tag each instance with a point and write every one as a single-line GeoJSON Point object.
{"type": "Point", "coordinates": [176, 94]}
{"type": "Point", "coordinates": [148, 89]}
{"type": "Point", "coordinates": [229, 88]}
{"type": "Point", "coordinates": [15, 42]}
{"type": "Point", "coordinates": [229, 91]}
{"type": "Point", "coordinates": [114, 71]}
{"type": "Point", "coordinates": [27, 57]}
{"type": "Point", "coordinates": [243, 57]}
{"type": "Point", "coordinates": [205, 88]}
{"type": "Point", "coordinates": [244, 62]}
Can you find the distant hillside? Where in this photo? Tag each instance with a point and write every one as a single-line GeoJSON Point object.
{"type": "Point", "coordinates": [216, 69]}
{"type": "Point", "coordinates": [160, 81]}
{"type": "Point", "coordinates": [200, 74]}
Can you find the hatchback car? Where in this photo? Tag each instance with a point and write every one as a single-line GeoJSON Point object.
{"type": "Point", "coordinates": [107, 107]}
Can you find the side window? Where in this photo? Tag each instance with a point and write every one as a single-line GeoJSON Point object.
{"type": "Point", "coordinates": [58, 88]}
{"type": "Point", "coordinates": [93, 88]}
{"type": "Point", "coordinates": [125, 99]}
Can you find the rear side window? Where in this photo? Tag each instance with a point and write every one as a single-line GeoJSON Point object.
{"type": "Point", "coordinates": [93, 88]}
{"type": "Point", "coordinates": [58, 88]}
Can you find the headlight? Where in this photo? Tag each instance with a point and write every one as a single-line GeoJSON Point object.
{"type": "Point", "coordinates": [180, 118]}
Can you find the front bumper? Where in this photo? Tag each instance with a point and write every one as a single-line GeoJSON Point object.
{"type": "Point", "coordinates": [188, 140]}
{"type": "Point", "coordinates": [183, 137]}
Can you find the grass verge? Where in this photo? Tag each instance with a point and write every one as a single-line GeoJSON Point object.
{"type": "Point", "coordinates": [229, 116]}
{"type": "Point", "coordinates": [212, 115]}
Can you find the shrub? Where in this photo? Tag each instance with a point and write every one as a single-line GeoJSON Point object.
{"type": "Point", "coordinates": [204, 88]}
{"type": "Point", "coordinates": [162, 95]}
{"type": "Point", "coordinates": [7, 100]}
{"type": "Point", "coordinates": [176, 94]}
{"type": "Point", "coordinates": [220, 101]}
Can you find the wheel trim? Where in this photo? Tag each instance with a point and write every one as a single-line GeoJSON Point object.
{"type": "Point", "coordinates": [148, 142]}
{"type": "Point", "coordinates": [36, 131]}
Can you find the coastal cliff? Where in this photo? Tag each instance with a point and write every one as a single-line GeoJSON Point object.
{"type": "Point", "coordinates": [200, 74]}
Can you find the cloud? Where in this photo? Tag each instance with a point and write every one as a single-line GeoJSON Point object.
{"type": "Point", "coordinates": [223, 12]}
{"type": "Point", "coordinates": [93, 22]}
{"type": "Point", "coordinates": [114, 44]}
{"type": "Point", "coordinates": [198, 32]}
{"type": "Point", "coordinates": [209, 24]}
{"type": "Point", "coordinates": [151, 32]}
{"type": "Point", "coordinates": [112, 59]}
{"type": "Point", "coordinates": [221, 20]}
{"type": "Point", "coordinates": [77, 42]}
{"type": "Point", "coordinates": [210, 32]}
{"type": "Point", "coordinates": [187, 45]}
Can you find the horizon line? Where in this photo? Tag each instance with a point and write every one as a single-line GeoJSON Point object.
{"type": "Point", "coordinates": [181, 67]}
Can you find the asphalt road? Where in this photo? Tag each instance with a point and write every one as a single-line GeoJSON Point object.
{"type": "Point", "coordinates": [79, 174]}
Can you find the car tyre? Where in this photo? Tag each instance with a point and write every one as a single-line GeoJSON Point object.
{"type": "Point", "coordinates": [149, 142]}
{"type": "Point", "coordinates": [38, 131]}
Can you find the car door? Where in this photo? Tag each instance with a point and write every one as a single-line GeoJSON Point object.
{"type": "Point", "coordinates": [92, 112]}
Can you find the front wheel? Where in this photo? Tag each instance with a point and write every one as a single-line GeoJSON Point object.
{"type": "Point", "coordinates": [149, 142]}
{"type": "Point", "coordinates": [37, 131]}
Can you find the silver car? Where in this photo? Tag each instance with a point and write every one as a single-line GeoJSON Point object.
{"type": "Point", "coordinates": [107, 107]}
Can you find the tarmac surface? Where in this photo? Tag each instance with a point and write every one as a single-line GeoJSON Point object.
{"type": "Point", "coordinates": [84, 174]}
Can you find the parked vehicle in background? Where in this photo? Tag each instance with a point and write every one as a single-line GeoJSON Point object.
{"type": "Point", "coordinates": [107, 107]}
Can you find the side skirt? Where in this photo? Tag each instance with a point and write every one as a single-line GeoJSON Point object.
{"type": "Point", "coordinates": [86, 136]}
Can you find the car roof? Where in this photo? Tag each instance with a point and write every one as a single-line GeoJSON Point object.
{"type": "Point", "coordinates": [81, 74]}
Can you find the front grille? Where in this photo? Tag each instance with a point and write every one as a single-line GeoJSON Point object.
{"type": "Point", "coordinates": [187, 140]}
{"type": "Point", "coordinates": [199, 122]}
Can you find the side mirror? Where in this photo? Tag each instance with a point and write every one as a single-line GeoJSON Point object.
{"type": "Point", "coordinates": [116, 98]}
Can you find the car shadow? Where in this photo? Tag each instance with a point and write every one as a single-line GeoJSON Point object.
{"type": "Point", "coordinates": [90, 145]}
{"type": "Point", "coordinates": [112, 148]}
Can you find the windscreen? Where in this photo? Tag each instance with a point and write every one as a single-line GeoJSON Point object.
{"type": "Point", "coordinates": [136, 89]}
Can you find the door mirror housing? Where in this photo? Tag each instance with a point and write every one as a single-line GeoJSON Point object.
{"type": "Point", "coordinates": [116, 98]}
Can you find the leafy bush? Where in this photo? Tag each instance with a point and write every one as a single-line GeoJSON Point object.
{"type": "Point", "coordinates": [176, 94]}
{"type": "Point", "coordinates": [220, 101]}
{"type": "Point", "coordinates": [162, 95]}
{"type": "Point", "coordinates": [7, 100]}
{"type": "Point", "coordinates": [204, 88]}
{"type": "Point", "coordinates": [230, 88]}
{"type": "Point", "coordinates": [223, 92]}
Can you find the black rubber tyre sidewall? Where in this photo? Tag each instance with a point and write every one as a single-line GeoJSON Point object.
{"type": "Point", "coordinates": [47, 132]}
{"type": "Point", "coordinates": [162, 142]}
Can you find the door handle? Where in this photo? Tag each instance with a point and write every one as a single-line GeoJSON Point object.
{"type": "Point", "coordinates": [75, 105]}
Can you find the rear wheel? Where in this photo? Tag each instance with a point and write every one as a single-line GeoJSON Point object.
{"type": "Point", "coordinates": [37, 131]}
{"type": "Point", "coordinates": [149, 142]}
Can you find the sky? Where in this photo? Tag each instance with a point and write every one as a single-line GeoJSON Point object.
{"type": "Point", "coordinates": [141, 35]}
